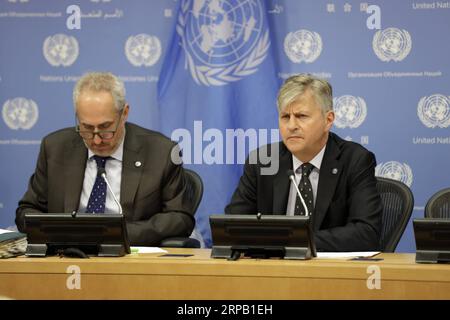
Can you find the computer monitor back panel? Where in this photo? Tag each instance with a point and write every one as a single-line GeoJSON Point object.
{"type": "Point", "coordinates": [432, 238]}
{"type": "Point", "coordinates": [95, 234]}
{"type": "Point", "coordinates": [289, 237]}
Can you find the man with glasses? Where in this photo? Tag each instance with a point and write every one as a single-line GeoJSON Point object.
{"type": "Point", "coordinates": [137, 162]}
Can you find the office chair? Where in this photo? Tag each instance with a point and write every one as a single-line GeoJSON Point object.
{"type": "Point", "coordinates": [398, 203]}
{"type": "Point", "coordinates": [194, 186]}
{"type": "Point", "coordinates": [438, 206]}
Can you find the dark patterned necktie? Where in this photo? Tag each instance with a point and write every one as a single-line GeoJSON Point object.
{"type": "Point", "coordinates": [97, 199]}
{"type": "Point", "coordinates": [305, 188]}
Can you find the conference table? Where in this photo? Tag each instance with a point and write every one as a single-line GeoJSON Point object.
{"type": "Point", "coordinates": [192, 274]}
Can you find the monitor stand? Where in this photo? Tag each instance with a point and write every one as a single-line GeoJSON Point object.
{"type": "Point", "coordinates": [428, 256]}
{"type": "Point", "coordinates": [102, 250]}
{"type": "Point", "coordinates": [287, 253]}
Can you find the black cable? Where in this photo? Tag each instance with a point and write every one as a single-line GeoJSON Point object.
{"type": "Point", "coordinates": [72, 253]}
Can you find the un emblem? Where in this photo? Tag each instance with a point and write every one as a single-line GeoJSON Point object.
{"type": "Point", "coordinates": [223, 40]}
{"type": "Point", "coordinates": [20, 113]}
{"type": "Point", "coordinates": [395, 170]}
{"type": "Point", "coordinates": [143, 50]}
{"type": "Point", "coordinates": [434, 111]}
{"type": "Point", "coordinates": [391, 44]}
{"type": "Point", "coordinates": [303, 45]}
{"type": "Point", "coordinates": [60, 50]}
{"type": "Point", "coordinates": [350, 111]}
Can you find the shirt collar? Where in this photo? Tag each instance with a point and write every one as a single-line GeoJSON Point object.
{"type": "Point", "coordinates": [316, 161]}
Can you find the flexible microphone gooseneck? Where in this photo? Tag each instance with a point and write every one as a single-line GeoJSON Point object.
{"type": "Point", "coordinates": [291, 176]}
{"type": "Point", "coordinates": [102, 172]}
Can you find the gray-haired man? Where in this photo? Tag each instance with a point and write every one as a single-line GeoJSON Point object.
{"type": "Point", "coordinates": [150, 186]}
{"type": "Point", "coordinates": [335, 176]}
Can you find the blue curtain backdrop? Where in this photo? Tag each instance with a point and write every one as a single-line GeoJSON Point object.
{"type": "Point", "coordinates": [206, 73]}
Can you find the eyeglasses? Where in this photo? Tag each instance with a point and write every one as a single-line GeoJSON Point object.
{"type": "Point", "coordinates": [104, 135]}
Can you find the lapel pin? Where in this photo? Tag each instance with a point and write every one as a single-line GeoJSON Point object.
{"type": "Point", "coordinates": [334, 171]}
{"type": "Point", "coordinates": [137, 164]}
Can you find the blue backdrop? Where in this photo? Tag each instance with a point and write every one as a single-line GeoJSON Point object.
{"type": "Point", "coordinates": [206, 74]}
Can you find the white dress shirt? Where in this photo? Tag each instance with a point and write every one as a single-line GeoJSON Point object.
{"type": "Point", "coordinates": [313, 177]}
{"type": "Point", "coordinates": [113, 169]}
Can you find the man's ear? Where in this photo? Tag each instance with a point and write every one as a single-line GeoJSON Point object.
{"type": "Point", "coordinates": [329, 118]}
{"type": "Point", "coordinates": [126, 109]}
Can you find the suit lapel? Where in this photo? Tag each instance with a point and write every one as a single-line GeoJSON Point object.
{"type": "Point", "coordinates": [281, 182]}
{"type": "Point", "coordinates": [75, 158]}
{"type": "Point", "coordinates": [330, 171]}
{"type": "Point", "coordinates": [132, 165]}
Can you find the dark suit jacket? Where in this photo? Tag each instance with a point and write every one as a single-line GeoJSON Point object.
{"type": "Point", "coordinates": [347, 215]}
{"type": "Point", "coordinates": [153, 196]}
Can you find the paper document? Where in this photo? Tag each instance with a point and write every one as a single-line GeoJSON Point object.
{"type": "Point", "coordinates": [147, 250]}
{"type": "Point", "coordinates": [346, 255]}
{"type": "Point", "coordinates": [12, 243]}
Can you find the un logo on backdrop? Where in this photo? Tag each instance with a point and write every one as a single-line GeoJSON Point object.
{"type": "Point", "coordinates": [20, 113]}
{"type": "Point", "coordinates": [143, 50]}
{"type": "Point", "coordinates": [391, 44]}
{"type": "Point", "coordinates": [60, 50]}
{"type": "Point", "coordinates": [350, 111]}
{"type": "Point", "coordinates": [395, 170]}
{"type": "Point", "coordinates": [434, 111]}
{"type": "Point", "coordinates": [303, 45]}
{"type": "Point", "coordinates": [224, 41]}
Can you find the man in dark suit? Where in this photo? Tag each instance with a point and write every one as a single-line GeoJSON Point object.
{"type": "Point", "coordinates": [138, 163]}
{"type": "Point", "coordinates": [336, 176]}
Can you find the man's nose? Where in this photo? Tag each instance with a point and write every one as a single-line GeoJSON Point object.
{"type": "Point", "coordinates": [97, 139]}
{"type": "Point", "coordinates": [292, 123]}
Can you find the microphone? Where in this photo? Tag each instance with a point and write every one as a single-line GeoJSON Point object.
{"type": "Point", "coordinates": [291, 175]}
{"type": "Point", "coordinates": [102, 172]}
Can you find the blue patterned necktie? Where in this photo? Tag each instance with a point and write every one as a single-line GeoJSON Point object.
{"type": "Point", "coordinates": [97, 199]}
{"type": "Point", "coordinates": [306, 191]}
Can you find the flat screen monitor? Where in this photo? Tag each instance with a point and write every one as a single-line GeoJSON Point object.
{"type": "Point", "coordinates": [261, 236]}
{"type": "Point", "coordinates": [93, 234]}
{"type": "Point", "coordinates": [432, 240]}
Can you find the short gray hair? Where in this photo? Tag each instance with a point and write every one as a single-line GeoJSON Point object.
{"type": "Point", "coordinates": [101, 81]}
{"type": "Point", "coordinates": [297, 85]}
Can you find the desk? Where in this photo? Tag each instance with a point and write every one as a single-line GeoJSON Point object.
{"type": "Point", "coordinates": [147, 276]}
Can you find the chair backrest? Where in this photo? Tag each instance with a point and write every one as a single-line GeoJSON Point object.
{"type": "Point", "coordinates": [194, 186]}
{"type": "Point", "coordinates": [438, 206]}
{"type": "Point", "coordinates": [398, 203]}
{"type": "Point", "coordinates": [194, 191]}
